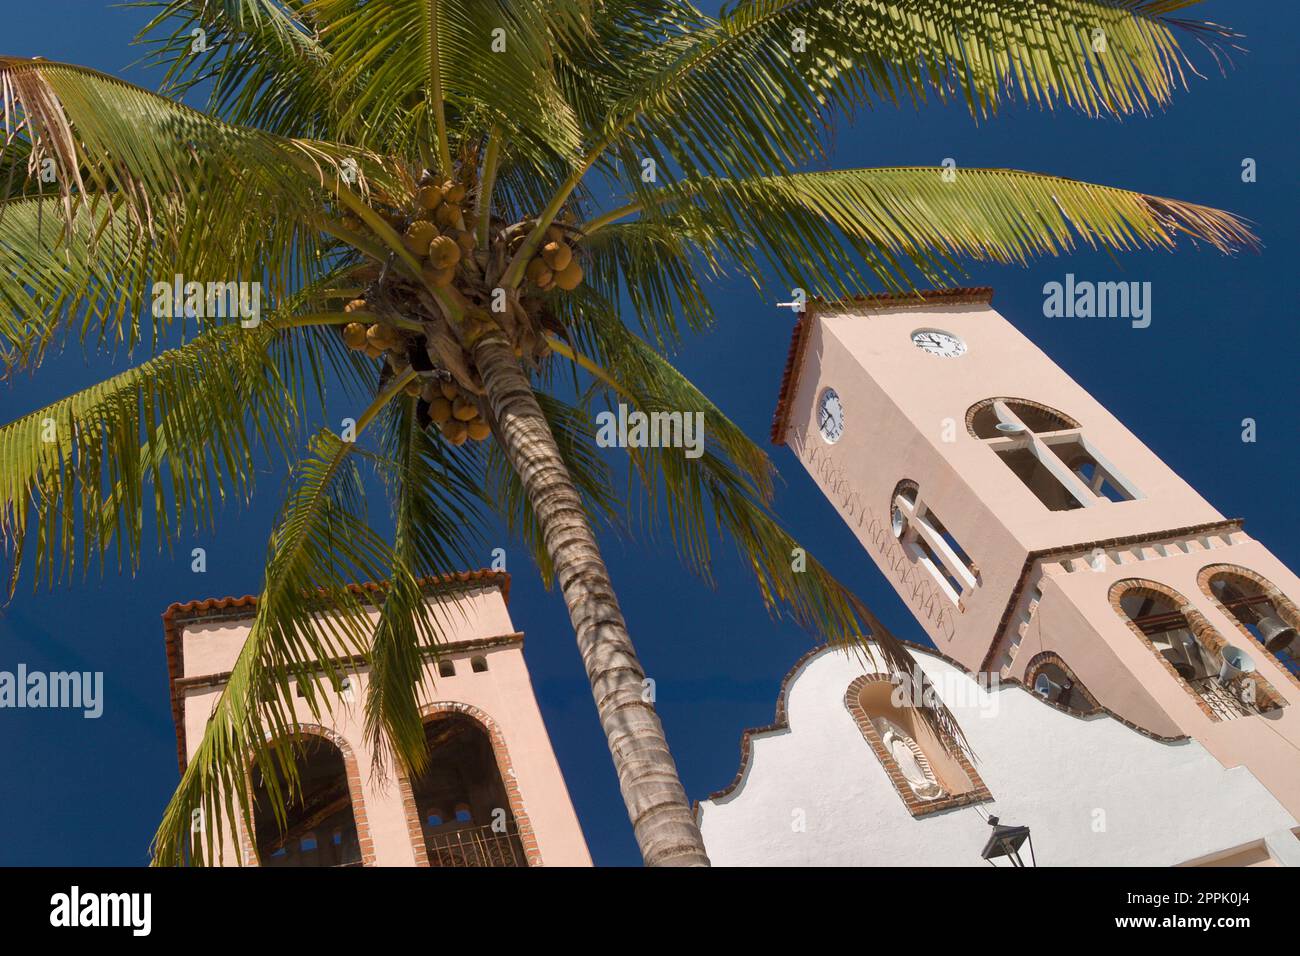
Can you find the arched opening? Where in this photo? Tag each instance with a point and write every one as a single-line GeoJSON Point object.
{"type": "Point", "coordinates": [926, 775]}
{"type": "Point", "coordinates": [982, 418]}
{"type": "Point", "coordinates": [320, 828]}
{"type": "Point", "coordinates": [1052, 679]}
{"type": "Point", "coordinates": [1049, 453]}
{"type": "Point", "coordinates": [929, 542]}
{"type": "Point", "coordinates": [461, 801]}
{"type": "Point", "coordinates": [1218, 675]}
{"type": "Point", "coordinates": [1259, 610]}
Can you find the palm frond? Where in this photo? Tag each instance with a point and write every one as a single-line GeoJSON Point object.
{"type": "Point", "coordinates": [437, 503]}
{"type": "Point", "coordinates": [309, 622]}
{"type": "Point", "coordinates": [214, 202]}
{"type": "Point", "coordinates": [818, 230]}
{"type": "Point", "coordinates": [188, 423]}
{"type": "Point", "coordinates": [493, 61]}
{"type": "Point", "coordinates": [657, 264]}
{"type": "Point", "coordinates": [262, 62]}
{"type": "Point", "coordinates": [750, 93]}
{"type": "Point", "coordinates": [726, 493]}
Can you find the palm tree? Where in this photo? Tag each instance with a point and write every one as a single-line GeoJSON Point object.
{"type": "Point", "coordinates": [449, 205]}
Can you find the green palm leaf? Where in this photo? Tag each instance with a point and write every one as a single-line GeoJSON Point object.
{"type": "Point", "coordinates": [437, 504]}
{"type": "Point", "coordinates": [309, 623]}
{"type": "Point", "coordinates": [187, 423]}
{"type": "Point", "coordinates": [747, 95]}
{"type": "Point", "coordinates": [813, 229]}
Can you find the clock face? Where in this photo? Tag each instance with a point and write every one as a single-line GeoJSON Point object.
{"type": "Point", "coordinates": [938, 342]}
{"type": "Point", "coordinates": [830, 416]}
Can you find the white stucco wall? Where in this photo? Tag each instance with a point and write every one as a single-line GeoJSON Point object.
{"type": "Point", "coordinates": [1092, 791]}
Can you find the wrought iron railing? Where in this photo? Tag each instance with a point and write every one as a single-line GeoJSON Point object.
{"type": "Point", "coordinates": [474, 846]}
{"type": "Point", "coordinates": [1226, 702]}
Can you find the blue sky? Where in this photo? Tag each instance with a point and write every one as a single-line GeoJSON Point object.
{"type": "Point", "coordinates": [1221, 348]}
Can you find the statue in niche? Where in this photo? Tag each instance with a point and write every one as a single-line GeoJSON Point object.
{"type": "Point", "coordinates": [911, 760]}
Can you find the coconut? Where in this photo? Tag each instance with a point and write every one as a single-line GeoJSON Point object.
{"type": "Point", "coordinates": [444, 253]}
{"type": "Point", "coordinates": [538, 272]}
{"type": "Point", "coordinates": [440, 278]}
{"type": "Point", "coordinates": [429, 390]}
{"type": "Point", "coordinates": [449, 390]}
{"type": "Point", "coordinates": [373, 352]}
{"type": "Point", "coordinates": [356, 305]}
{"type": "Point", "coordinates": [462, 409]}
{"type": "Point", "coordinates": [418, 236]}
{"type": "Point", "coordinates": [570, 277]}
{"type": "Point", "coordinates": [380, 336]}
{"type": "Point", "coordinates": [453, 192]}
{"type": "Point", "coordinates": [466, 241]}
{"type": "Point", "coordinates": [446, 214]}
{"type": "Point", "coordinates": [478, 429]}
{"type": "Point", "coordinates": [557, 255]}
{"type": "Point", "coordinates": [440, 410]}
{"type": "Point", "coordinates": [554, 234]}
{"type": "Point", "coordinates": [455, 432]}
{"type": "Point", "coordinates": [413, 388]}
{"type": "Point", "coordinates": [429, 197]}
{"type": "Point", "coordinates": [354, 335]}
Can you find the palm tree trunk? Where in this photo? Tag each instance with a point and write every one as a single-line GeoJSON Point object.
{"type": "Point", "coordinates": [656, 801]}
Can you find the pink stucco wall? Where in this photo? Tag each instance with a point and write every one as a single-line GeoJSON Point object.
{"type": "Point", "coordinates": [503, 694]}
{"type": "Point", "coordinates": [905, 417]}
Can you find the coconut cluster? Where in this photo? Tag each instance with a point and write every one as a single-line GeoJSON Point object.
{"type": "Point", "coordinates": [455, 412]}
{"type": "Point", "coordinates": [399, 321]}
{"type": "Point", "coordinates": [554, 266]}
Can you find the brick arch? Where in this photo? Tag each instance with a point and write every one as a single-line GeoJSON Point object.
{"type": "Point", "coordinates": [247, 837]}
{"type": "Point", "coordinates": [1039, 661]}
{"type": "Point", "coordinates": [1266, 696]}
{"type": "Point", "coordinates": [1286, 608]}
{"type": "Point", "coordinates": [979, 793]}
{"type": "Point", "coordinates": [532, 853]}
{"type": "Point", "coordinates": [1066, 420]}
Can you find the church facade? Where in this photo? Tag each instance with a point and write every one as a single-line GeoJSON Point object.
{"type": "Point", "coordinates": [1063, 569]}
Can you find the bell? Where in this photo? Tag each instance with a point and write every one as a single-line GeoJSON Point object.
{"type": "Point", "coordinates": [1277, 635]}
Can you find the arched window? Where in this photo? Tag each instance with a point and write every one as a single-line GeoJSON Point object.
{"type": "Point", "coordinates": [1052, 679]}
{"type": "Point", "coordinates": [926, 775]}
{"type": "Point", "coordinates": [319, 828]}
{"type": "Point", "coordinates": [460, 799]}
{"type": "Point", "coordinates": [1259, 610]}
{"type": "Point", "coordinates": [1218, 675]}
{"type": "Point", "coordinates": [928, 542]}
{"type": "Point", "coordinates": [1049, 453]}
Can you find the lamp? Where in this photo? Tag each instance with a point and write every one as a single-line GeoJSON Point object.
{"type": "Point", "coordinates": [1006, 842]}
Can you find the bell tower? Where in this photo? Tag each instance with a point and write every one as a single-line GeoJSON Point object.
{"type": "Point", "coordinates": [491, 794]}
{"type": "Point", "coordinates": [1033, 536]}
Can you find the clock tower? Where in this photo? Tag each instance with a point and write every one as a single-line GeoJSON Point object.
{"type": "Point", "coordinates": [1034, 537]}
